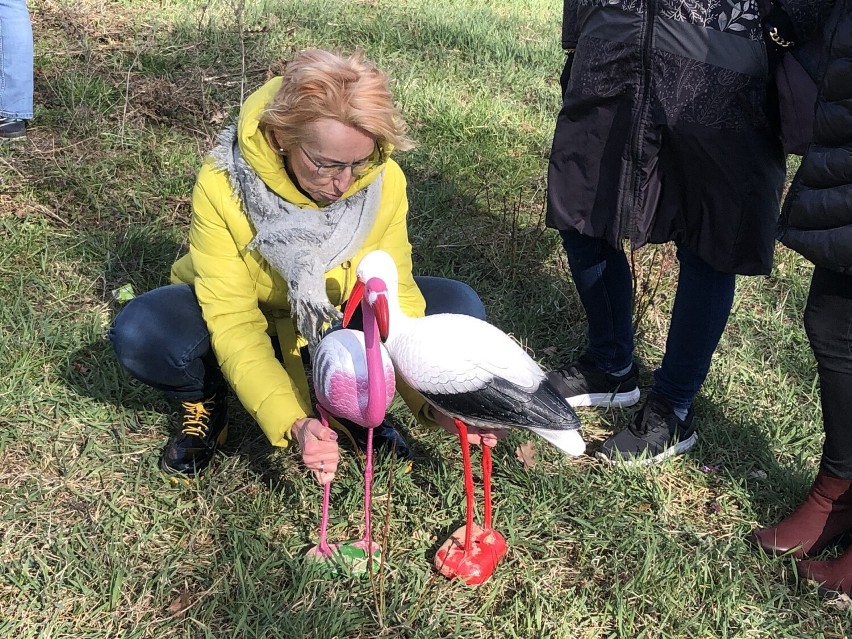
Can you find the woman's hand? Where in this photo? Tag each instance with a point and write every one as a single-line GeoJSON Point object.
{"type": "Point", "coordinates": [476, 436]}
{"type": "Point", "coordinates": [319, 447]}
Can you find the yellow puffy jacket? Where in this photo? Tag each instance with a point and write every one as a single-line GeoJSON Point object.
{"type": "Point", "coordinates": [244, 301]}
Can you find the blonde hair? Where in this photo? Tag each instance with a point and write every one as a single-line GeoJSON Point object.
{"type": "Point", "coordinates": [318, 84]}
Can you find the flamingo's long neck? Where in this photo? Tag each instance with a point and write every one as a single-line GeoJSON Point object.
{"type": "Point", "coordinates": [377, 391]}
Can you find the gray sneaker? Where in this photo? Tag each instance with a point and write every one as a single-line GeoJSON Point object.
{"type": "Point", "coordinates": [582, 383]}
{"type": "Point", "coordinates": [12, 128]}
{"type": "Point", "coordinates": [655, 434]}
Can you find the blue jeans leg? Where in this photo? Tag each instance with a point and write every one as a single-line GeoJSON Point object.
{"type": "Point", "coordinates": [444, 295]}
{"type": "Point", "coordinates": [161, 339]}
{"type": "Point", "coordinates": [701, 308]}
{"type": "Point", "coordinates": [602, 277]}
{"type": "Point", "coordinates": [16, 60]}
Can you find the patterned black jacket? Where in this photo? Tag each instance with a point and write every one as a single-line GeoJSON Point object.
{"type": "Point", "coordinates": [664, 131]}
{"type": "Point", "coordinates": [818, 209]}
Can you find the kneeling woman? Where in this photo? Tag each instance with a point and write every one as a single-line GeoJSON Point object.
{"type": "Point", "coordinates": [284, 208]}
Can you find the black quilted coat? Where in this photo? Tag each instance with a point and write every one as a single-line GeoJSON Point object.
{"type": "Point", "coordinates": [818, 210]}
{"type": "Point", "coordinates": [664, 131]}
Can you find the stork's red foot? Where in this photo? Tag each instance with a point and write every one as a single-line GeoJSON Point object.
{"type": "Point", "coordinates": [488, 547]}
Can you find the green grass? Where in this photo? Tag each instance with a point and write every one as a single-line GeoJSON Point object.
{"type": "Point", "coordinates": [94, 542]}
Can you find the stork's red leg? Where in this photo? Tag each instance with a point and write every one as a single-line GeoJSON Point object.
{"type": "Point", "coordinates": [468, 484]}
{"type": "Point", "coordinates": [472, 553]}
{"type": "Point", "coordinates": [486, 483]}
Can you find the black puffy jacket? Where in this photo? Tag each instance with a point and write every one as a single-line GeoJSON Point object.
{"type": "Point", "coordinates": [664, 131]}
{"type": "Point", "coordinates": [817, 215]}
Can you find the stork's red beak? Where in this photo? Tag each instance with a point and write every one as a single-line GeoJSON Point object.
{"type": "Point", "coordinates": [354, 302]}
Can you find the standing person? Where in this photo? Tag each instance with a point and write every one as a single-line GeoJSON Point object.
{"type": "Point", "coordinates": [817, 222]}
{"type": "Point", "coordinates": [664, 135]}
{"type": "Point", "coordinates": [16, 69]}
{"type": "Point", "coordinates": [289, 201]}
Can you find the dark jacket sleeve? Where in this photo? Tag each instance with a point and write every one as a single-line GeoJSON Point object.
{"type": "Point", "coordinates": [570, 28]}
{"type": "Point", "coordinates": [817, 217]}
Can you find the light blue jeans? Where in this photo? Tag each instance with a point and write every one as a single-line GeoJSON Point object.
{"type": "Point", "coordinates": [16, 60]}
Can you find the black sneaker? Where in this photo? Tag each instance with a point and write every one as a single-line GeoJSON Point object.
{"type": "Point", "coordinates": [12, 128]}
{"type": "Point", "coordinates": [204, 427]}
{"type": "Point", "coordinates": [582, 383]}
{"type": "Point", "coordinates": [655, 434]}
{"type": "Point", "coordinates": [385, 437]}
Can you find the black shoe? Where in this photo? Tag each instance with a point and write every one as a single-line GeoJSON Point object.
{"type": "Point", "coordinates": [12, 128]}
{"type": "Point", "coordinates": [204, 427]}
{"type": "Point", "coordinates": [655, 434]}
{"type": "Point", "coordinates": [582, 383]}
{"type": "Point", "coordinates": [385, 437]}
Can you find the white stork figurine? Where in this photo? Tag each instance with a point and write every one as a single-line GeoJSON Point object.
{"type": "Point", "coordinates": [354, 379]}
{"type": "Point", "coordinates": [471, 371]}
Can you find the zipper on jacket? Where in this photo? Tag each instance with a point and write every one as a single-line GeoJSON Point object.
{"type": "Point", "coordinates": [632, 174]}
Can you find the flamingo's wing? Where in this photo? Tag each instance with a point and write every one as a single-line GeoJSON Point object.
{"type": "Point", "coordinates": [340, 374]}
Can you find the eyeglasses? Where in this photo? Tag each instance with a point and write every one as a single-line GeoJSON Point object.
{"type": "Point", "coordinates": [358, 169]}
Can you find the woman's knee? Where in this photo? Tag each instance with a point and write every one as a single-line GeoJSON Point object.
{"type": "Point", "coordinates": [468, 301]}
{"type": "Point", "coordinates": [821, 327]}
{"type": "Point", "coordinates": [444, 295]}
{"type": "Point", "coordinates": [156, 326]}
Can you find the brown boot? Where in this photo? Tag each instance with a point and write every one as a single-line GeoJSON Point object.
{"type": "Point", "coordinates": [825, 514]}
{"type": "Point", "coordinates": [834, 574]}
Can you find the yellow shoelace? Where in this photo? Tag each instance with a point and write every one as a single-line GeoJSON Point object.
{"type": "Point", "coordinates": [196, 418]}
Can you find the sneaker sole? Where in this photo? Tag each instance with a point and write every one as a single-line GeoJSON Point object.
{"type": "Point", "coordinates": [677, 449]}
{"type": "Point", "coordinates": [605, 400]}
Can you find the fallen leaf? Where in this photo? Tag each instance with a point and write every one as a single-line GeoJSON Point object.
{"type": "Point", "coordinates": [550, 350]}
{"type": "Point", "coordinates": [842, 602]}
{"type": "Point", "coordinates": [179, 606]}
{"type": "Point", "coordinates": [217, 117]}
{"type": "Point", "coordinates": [526, 454]}
{"type": "Point", "coordinates": [81, 368]}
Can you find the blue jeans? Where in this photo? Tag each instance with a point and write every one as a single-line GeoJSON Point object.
{"type": "Point", "coordinates": [160, 337]}
{"type": "Point", "coordinates": [16, 60]}
{"type": "Point", "coordinates": [701, 308]}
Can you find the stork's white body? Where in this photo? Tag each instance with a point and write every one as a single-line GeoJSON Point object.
{"type": "Point", "coordinates": [471, 370]}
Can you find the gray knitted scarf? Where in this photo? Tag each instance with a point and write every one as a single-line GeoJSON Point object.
{"type": "Point", "coordinates": [301, 244]}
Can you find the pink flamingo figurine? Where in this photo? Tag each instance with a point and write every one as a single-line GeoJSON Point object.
{"type": "Point", "coordinates": [354, 380]}
{"type": "Point", "coordinates": [477, 375]}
